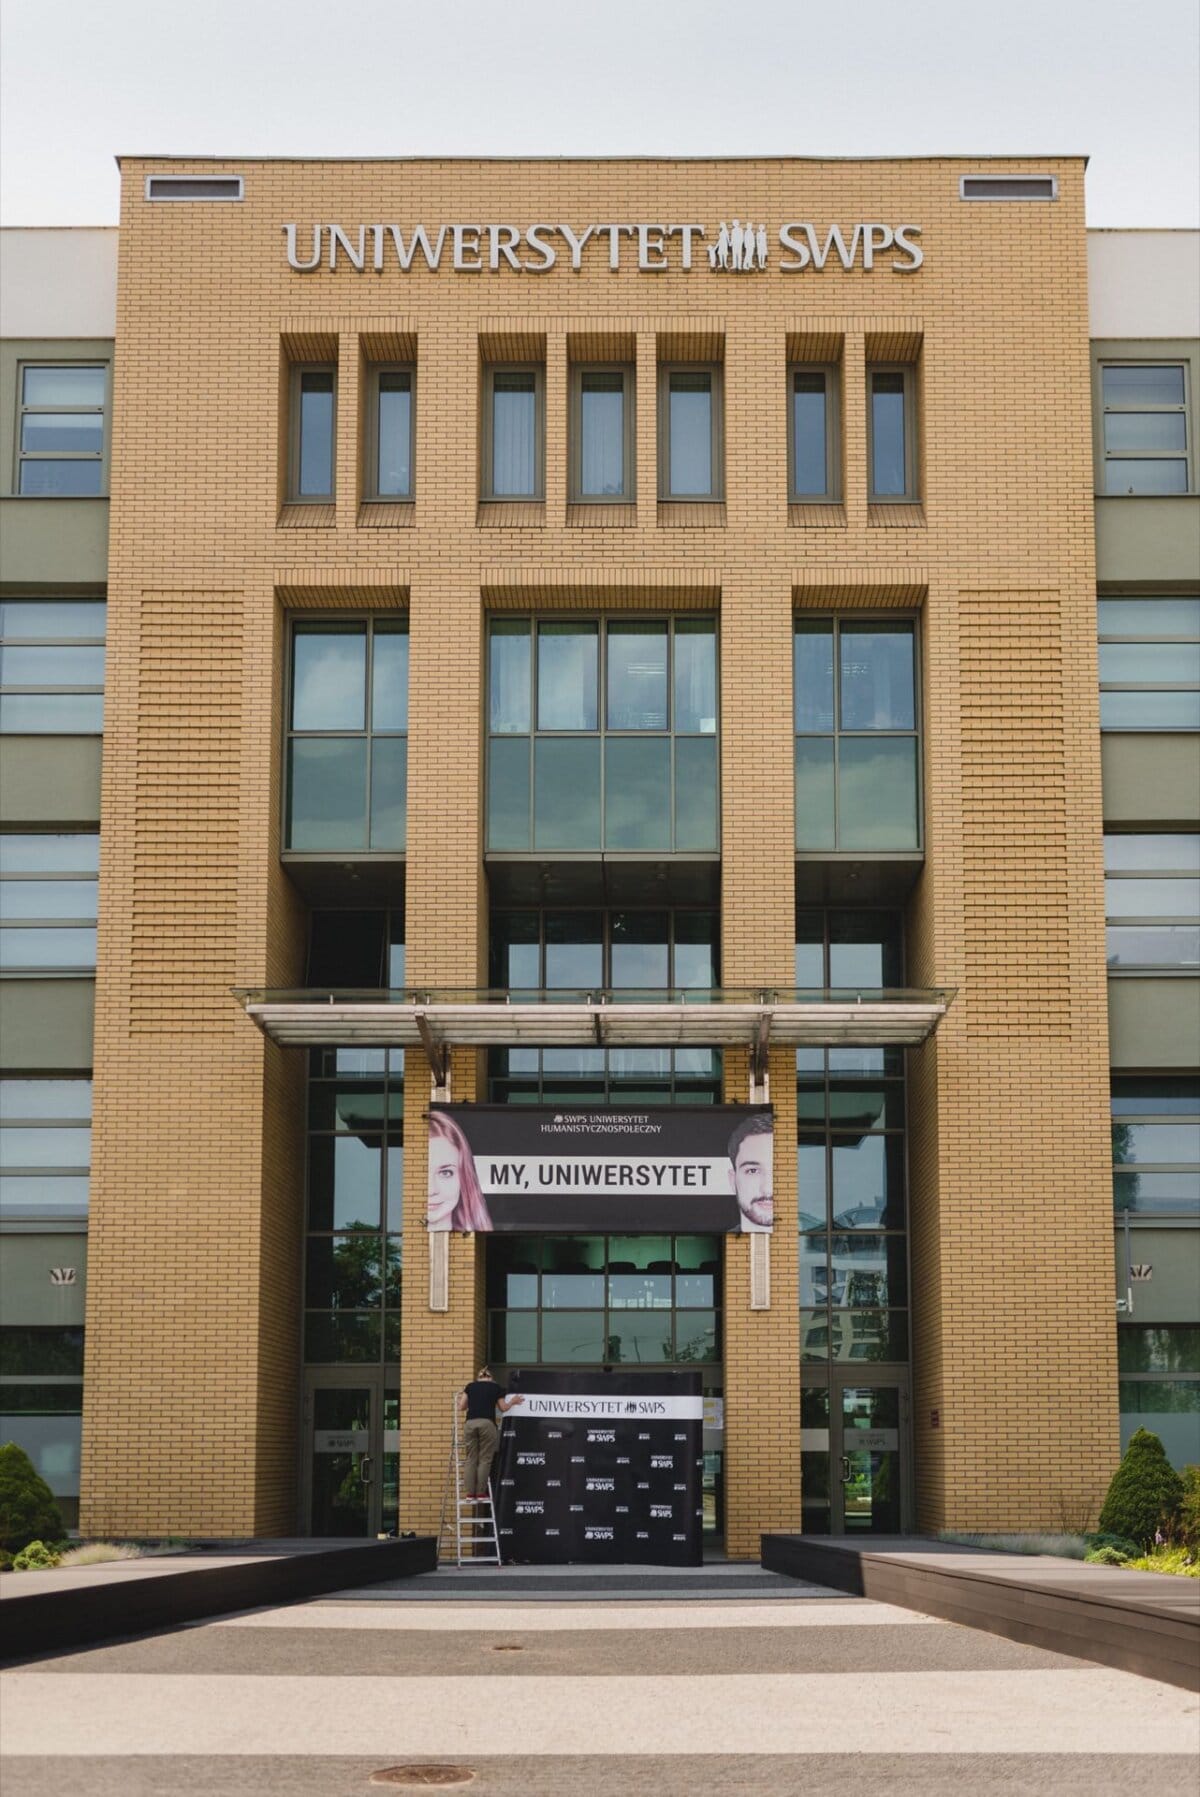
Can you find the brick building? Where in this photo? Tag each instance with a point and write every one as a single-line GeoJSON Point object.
{"type": "Point", "coordinates": [536, 578]}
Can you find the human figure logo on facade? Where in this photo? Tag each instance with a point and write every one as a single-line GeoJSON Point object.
{"type": "Point", "coordinates": [742, 248]}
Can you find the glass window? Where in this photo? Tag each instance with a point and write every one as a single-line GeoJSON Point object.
{"type": "Point", "coordinates": [643, 772]}
{"type": "Point", "coordinates": [1149, 664]}
{"type": "Point", "coordinates": [347, 763]}
{"type": "Point", "coordinates": [1144, 427]}
{"type": "Point", "coordinates": [1152, 900]}
{"type": "Point", "coordinates": [891, 432]}
{"type": "Point", "coordinates": [813, 434]}
{"type": "Point", "coordinates": [45, 1148]}
{"type": "Point", "coordinates": [61, 430]}
{"type": "Point", "coordinates": [602, 436]}
{"type": "Point", "coordinates": [48, 903]}
{"type": "Point", "coordinates": [313, 412]}
{"type": "Point", "coordinates": [389, 470]}
{"type": "Point", "coordinates": [690, 433]}
{"type": "Point", "coordinates": [1156, 1145]}
{"type": "Point", "coordinates": [513, 436]}
{"type": "Point", "coordinates": [52, 667]}
{"type": "Point", "coordinates": [857, 762]}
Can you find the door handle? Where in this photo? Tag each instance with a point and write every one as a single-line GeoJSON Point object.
{"type": "Point", "coordinates": [364, 1469]}
{"type": "Point", "coordinates": [846, 1469]}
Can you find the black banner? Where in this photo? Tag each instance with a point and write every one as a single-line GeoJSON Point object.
{"type": "Point", "coordinates": [602, 1467]}
{"type": "Point", "coordinates": [704, 1169]}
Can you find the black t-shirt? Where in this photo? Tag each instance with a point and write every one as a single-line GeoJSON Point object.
{"type": "Point", "coordinates": [483, 1395]}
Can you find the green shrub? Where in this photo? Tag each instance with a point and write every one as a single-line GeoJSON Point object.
{"type": "Point", "coordinates": [1102, 1538]}
{"type": "Point", "coordinates": [1145, 1492]}
{"type": "Point", "coordinates": [1189, 1510]}
{"type": "Point", "coordinates": [5, 1560]}
{"type": "Point", "coordinates": [1107, 1556]}
{"type": "Point", "coordinates": [28, 1511]}
{"type": "Point", "coordinates": [1167, 1559]}
{"type": "Point", "coordinates": [37, 1557]}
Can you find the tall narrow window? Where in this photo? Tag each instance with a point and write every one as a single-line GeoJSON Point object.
{"type": "Point", "coordinates": [348, 738]}
{"type": "Point", "coordinates": [856, 735]}
{"type": "Point", "coordinates": [813, 443]}
{"type": "Point", "coordinates": [891, 426]}
{"type": "Point", "coordinates": [513, 451]}
{"type": "Point", "coordinates": [389, 458]}
{"type": "Point", "coordinates": [602, 435]}
{"type": "Point", "coordinates": [1145, 427]}
{"type": "Point", "coordinates": [690, 434]}
{"type": "Point", "coordinates": [60, 440]}
{"type": "Point", "coordinates": [313, 412]}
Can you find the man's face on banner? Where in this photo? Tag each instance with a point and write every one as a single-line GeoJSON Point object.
{"type": "Point", "coordinates": [754, 1180]}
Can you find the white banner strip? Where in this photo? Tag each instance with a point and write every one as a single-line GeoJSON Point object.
{"type": "Point", "coordinates": [603, 1172]}
{"type": "Point", "coordinates": [597, 1409]}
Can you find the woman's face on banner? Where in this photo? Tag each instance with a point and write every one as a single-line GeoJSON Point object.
{"type": "Point", "coordinates": [445, 1181]}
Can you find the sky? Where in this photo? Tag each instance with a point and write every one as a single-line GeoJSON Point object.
{"type": "Point", "coordinates": [84, 80]}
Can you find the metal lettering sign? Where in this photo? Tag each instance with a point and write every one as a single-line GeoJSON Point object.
{"type": "Point", "coordinates": [729, 247]}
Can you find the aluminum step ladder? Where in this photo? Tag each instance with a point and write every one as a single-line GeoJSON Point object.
{"type": "Point", "coordinates": [468, 1524]}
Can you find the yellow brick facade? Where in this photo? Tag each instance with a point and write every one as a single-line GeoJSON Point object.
{"type": "Point", "coordinates": [193, 1358]}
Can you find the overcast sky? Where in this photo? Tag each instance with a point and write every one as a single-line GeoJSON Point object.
{"type": "Point", "coordinates": [81, 80]}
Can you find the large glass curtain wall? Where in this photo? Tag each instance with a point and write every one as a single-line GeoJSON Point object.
{"type": "Point", "coordinates": [851, 1181]}
{"type": "Point", "coordinates": [602, 734]}
{"type": "Point", "coordinates": [651, 952]}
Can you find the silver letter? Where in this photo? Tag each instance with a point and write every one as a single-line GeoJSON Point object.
{"type": "Point", "coordinates": [615, 233]}
{"type": "Point", "coordinates": [845, 256]}
{"type": "Point", "coordinates": [533, 238]}
{"type": "Point", "coordinates": [304, 268]}
{"type": "Point", "coordinates": [903, 233]}
{"type": "Point", "coordinates": [687, 232]}
{"type": "Point", "coordinates": [404, 256]}
{"type": "Point", "coordinates": [650, 241]}
{"type": "Point", "coordinates": [461, 234]}
{"type": "Point", "coordinates": [875, 237]}
{"type": "Point", "coordinates": [511, 235]}
{"type": "Point", "coordinates": [576, 243]}
{"type": "Point", "coordinates": [336, 236]}
{"type": "Point", "coordinates": [797, 245]}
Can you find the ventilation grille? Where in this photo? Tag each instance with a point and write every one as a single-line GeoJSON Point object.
{"type": "Point", "coordinates": [1008, 187]}
{"type": "Point", "coordinates": [193, 187]}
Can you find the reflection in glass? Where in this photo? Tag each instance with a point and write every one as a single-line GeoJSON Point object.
{"type": "Point", "coordinates": [52, 664]}
{"type": "Point", "coordinates": [394, 443]}
{"type": "Point", "coordinates": [1149, 664]}
{"type": "Point", "coordinates": [877, 677]}
{"type": "Point", "coordinates": [63, 386]}
{"type": "Point", "coordinates": [877, 793]}
{"type": "Point", "coordinates": [868, 1182]}
{"type": "Point", "coordinates": [695, 676]}
{"type": "Point", "coordinates": [865, 949]}
{"type": "Point", "coordinates": [602, 433]}
{"type": "Point", "coordinates": [696, 794]}
{"type": "Point", "coordinates": [1145, 430]}
{"type": "Point", "coordinates": [810, 1181]}
{"type": "Point", "coordinates": [810, 478]}
{"type": "Point", "coordinates": [508, 676]}
{"type": "Point", "coordinates": [812, 674]}
{"type": "Point", "coordinates": [637, 810]}
{"type": "Point", "coordinates": [315, 474]}
{"type": "Point", "coordinates": [814, 792]}
{"type": "Point", "coordinates": [344, 1272]}
{"type": "Point", "coordinates": [1174, 852]}
{"type": "Point", "coordinates": [344, 1177]}
{"type": "Point", "coordinates": [888, 453]}
{"type": "Point", "coordinates": [574, 949]}
{"type": "Point", "coordinates": [1143, 384]}
{"type": "Point", "coordinates": [61, 480]}
{"type": "Point", "coordinates": [1146, 617]}
{"type": "Point", "coordinates": [1146, 474]}
{"type": "Point", "coordinates": [573, 1337]}
{"type": "Point", "coordinates": [49, 948]}
{"type": "Point", "coordinates": [71, 433]}
{"type": "Point", "coordinates": [508, 817]}
{"type": "Point", "coordinates": [568, 662]}
{"type": "Point", "coordinates": [329, 672]}
{"type": "Point", "coordinates": [331, 1337]}
{"type": "Point", "coordinates": [514, 425]}
{"type": "Point", "coordinates": [640, 955]}
{"type": "Point", "coordinates": [637, 676]}
{"type": "Point", "coordinates": [327, 791]}
{"type": "Point", "coordinates": [566, 793]}
{"type": "Point", "coordinates": [51, 714]}
{"type": "Point", "coordinates": [690, 420]}
{"type": "Point", "coordinates": [1150, 711]}
{"type": "Point", "coordinates": [1152, 898]}
{"type": "Point", "coordinates": [47, 899]}
{"type": "Point", "coordinates": [389, 792]}
{"type": "Point", "coordinates": [37, 618]}
{"type": "Point", "coordinates": [389, 678]}
{"type": "Point", "coordinates": [1164, 945]}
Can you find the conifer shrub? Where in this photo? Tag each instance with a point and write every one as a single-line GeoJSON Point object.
{"type": "Point", "coordinates": [1145, 1492]}
{"type": "Point", "coordinates": [28, 1511]}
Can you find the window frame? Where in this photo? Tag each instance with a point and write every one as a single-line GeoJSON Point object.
{"type": "Point", "coordinates": [297, 622]}
{"type": "Point", "coordinates": [911, 494]}
{"type": "Point", "coordinates": [716, 370]}
{"type": "Point", "coordinates": [1148, 1115]}
{"type": "Point", "coordinates": [838, 619]}
{"type": "Point", "coordinates": [1170, 358]}
{"type": "Point", "coordinates": [833, 433]}
{"type": "Point", "coordinates": [371, 494]}
{"type": "Point", "coordinates": [1143, 686]}
{"type": "Point", "coordinates": [296, 373]}
{"type": "Point", "coordinates": [1181, 919]}
{"type": "Point", "coordinates": [487, 446]}
{"type": "Point", "coordinates": [21, 456]}
{"type": "Point", "coordinates": [45, 689]}
{"type": "Point", "coordinates": [26, 1216]}
{"type": "Point", "coordinates": [575, 493]}
{"type": "Point", "coordinates": [78, 875]}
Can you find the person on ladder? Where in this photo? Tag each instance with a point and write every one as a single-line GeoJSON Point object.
{"type": "Point", "coordinates": [480, 1399]}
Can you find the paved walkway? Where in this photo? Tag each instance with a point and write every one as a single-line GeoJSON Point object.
{"type": "Point", "coordinates": [808, 1693]}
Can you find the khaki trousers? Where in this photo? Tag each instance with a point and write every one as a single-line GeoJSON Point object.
{"type": "Point", "coordinates": [482, 1438]}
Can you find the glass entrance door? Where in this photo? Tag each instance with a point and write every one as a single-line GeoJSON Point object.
{"type": "Point", "coordinates": [345, 1464]}
{"type": "Point", "coordinates": [870, 1466]}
